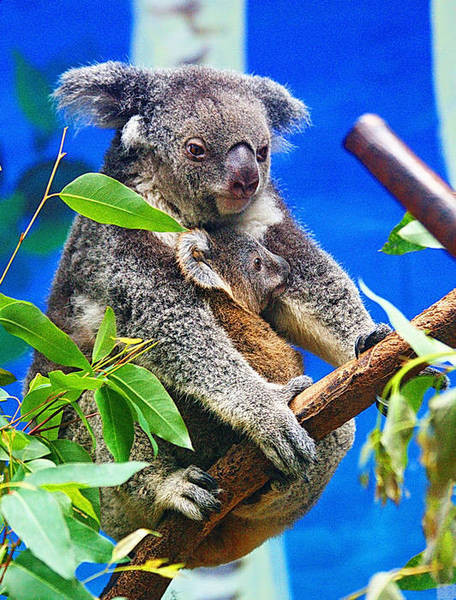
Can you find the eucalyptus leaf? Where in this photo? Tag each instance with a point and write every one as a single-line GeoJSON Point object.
{"type": "Point", "coordinates": [87, 474]}
{"type": "Point", "coordinates": [145, 391]}
{"type": "Point", "coordinates": [27, 578]}
{"type": "Point", "coordinates": [395, 244]}
{"type": "Point", "coordinates": [420, 581]}
{"type": "Point", "coordinates": [74, 381]}
{"type": "Point", "coordinates": [6, 377]}
{"type": "Point", "coordinates": [415, 233]}
{"type": "Point", "coordinates": [105, 340]}
{"type": "Point", "coordinates": [89, 545]}
{"type": "Point", "coordinates": [118, 429]}
{"type": "Point", "coordinates": [443, 419]}
{"type": "Point", "coordinates": [67, 451]}
{"type": "Point", "coordinates": [36, 517]}
{"type": "Point", "coordinates": [421, 343]}
{"type": "Point", "coordinates": [105, 200]}
{"type": "Point", "coordinates": [72, 491]}
{"type": "Point", "coordinates": [26, 321]}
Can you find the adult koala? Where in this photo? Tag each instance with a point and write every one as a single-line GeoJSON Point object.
{"type": "Point", "coordinates": [196, 142]}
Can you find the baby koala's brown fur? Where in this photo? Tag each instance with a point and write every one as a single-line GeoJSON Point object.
{"type": "Point", "coordinates": [221, 265]}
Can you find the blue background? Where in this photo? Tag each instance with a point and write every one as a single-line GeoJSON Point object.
{"type": "Point", "coordinates": [343, 58]}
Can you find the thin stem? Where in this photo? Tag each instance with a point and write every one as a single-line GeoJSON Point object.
{"type": "Point", "coordinates": [40, 206]}
{"type": "Point", "coordinates": [94, 414]}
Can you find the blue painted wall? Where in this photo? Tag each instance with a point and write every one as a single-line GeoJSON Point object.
{"type": "Point", "coordinates": [342, 58]}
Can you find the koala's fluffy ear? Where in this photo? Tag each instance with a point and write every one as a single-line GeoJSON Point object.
{"type": "Point", "coordinates": [193, 252]}
{"type": "Point", "coordinates": [106, 95]}
{"type": "Point", "coordinates": [285, 112]}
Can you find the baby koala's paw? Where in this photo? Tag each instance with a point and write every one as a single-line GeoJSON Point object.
{"type": "Point", "coordinates": [191, 491]}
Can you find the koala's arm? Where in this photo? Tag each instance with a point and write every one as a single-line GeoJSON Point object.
{"type": "Point", "coordinates": [139, 278]}
{"type": "Point", "coordinates": [321, 311]}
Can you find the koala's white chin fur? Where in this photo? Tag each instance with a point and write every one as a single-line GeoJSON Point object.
{"type": "Point", "coordinates": [260, 215]}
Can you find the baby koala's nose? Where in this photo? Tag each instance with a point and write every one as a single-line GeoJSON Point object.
{"type": "Point", "coordinates": [284, 269]}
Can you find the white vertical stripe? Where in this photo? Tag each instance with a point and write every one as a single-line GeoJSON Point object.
{"type": "Point", "coordinates": [170, 32]}
{"type": "Point", "coordinates": [444, 51]}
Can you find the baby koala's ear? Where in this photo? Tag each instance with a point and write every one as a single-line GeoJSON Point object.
{"type": "Point", "coordinates": [193, 252]}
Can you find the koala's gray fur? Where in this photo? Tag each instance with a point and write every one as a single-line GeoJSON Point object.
{"type": "Point", "coordinates": [234, 118]}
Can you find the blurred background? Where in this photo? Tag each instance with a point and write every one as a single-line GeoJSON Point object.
{"type": "Point", "coordinates": [343, 58]}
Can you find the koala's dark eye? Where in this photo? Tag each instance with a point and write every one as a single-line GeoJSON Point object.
{"type": "Point", "coordinates": [257, 264]}
{"type": "Point", "coordinates": [195, 149]}
{"type": "Point", "coordinates": [262, 153]}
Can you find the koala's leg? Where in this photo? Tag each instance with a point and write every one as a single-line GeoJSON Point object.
{"type": "Point", "coordinates": [249, 525]}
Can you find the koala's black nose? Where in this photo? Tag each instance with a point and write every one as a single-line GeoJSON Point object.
{"type": "Point", "coordinates": [242, 170]}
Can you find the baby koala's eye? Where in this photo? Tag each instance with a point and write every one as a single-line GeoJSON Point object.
{"type": "Point", "coordinates": [195, 149]}
{"type": "Point", "coordinates": [262, 153]}
{"type": "Point", "coordinates": [257, 264]}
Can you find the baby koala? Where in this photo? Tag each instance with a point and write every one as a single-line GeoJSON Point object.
{"type": "Point", "coordinates": [239, 278]}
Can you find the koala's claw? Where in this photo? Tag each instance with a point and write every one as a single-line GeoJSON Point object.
{"type": "Point", "coordinates": [364, 342]}
{"type": "Point", "coordinates": [195, 494]}
{"type": "Point", "coordinates": [288, 446]}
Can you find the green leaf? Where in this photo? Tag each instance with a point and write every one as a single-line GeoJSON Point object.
{"type": "Point", "coordinates": [443, 419]}
{"type": "Point", "coordinates": [414, 389]}
{"type": "Point", "coordinates": [89, 545]}
{"type": "Point", "coordinates": [421, 343]}
{"type": "Point", "coordinates": [67, 451]}
{"type": "Point", "coordinates": [148, 395]}
{"type": "Point", "coordinates": [22, 446]}
{"type": "Point", "coordinates": [395, 244]}
{"type": "Point", "coordinates": [39, 463]}
{"type": "Point", "coordinates": [87, 474]}
{"type": "Point", "coordinates": [418, 582]}
{"type": "Point", "coordinates": [4, 395]}
{"type": "Point", "coordinates": [105, 340]}
{"type": "Point", "coordinates": [74, 381]}
{"type": "Point", "coordinates": [118, 430]}
{"type": "Point", "coordinates": [27, 578]}
{"type": "Point", "coordinates": [26, 321]}
{"type": "Point", "coordinates": [108, 201]}
{"type": "Point", "coordinates": [36, 517]}
{"type": "Point", "coordinates": [6, 377]}
{"type": "Point", "coordinates": [71, 490]}
{"type": "Point", "coordinates": [415, 233]}
{"type": "Point", "coordinates": [33, 92]}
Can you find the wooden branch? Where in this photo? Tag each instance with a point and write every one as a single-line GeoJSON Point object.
{"type": "Point", "coordinates": [408, 178]}
{"type": "Point", "coordinates": [322, 408]}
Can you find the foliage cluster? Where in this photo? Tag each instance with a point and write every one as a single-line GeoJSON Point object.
{"type": "Point", "coordinates": [49, 490]}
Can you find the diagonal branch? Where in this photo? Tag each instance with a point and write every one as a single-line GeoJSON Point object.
{"type": "Point", "coordinates": [322, 408]}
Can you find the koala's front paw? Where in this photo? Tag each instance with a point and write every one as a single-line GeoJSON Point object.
{"type": "Point", "coordinates": [364, 342]}
{"type": "Point", "coordinates": [285, 443]}
{"type": "Point", "coordinates": [191, 491]}
{"type": "Point", "coordinates": [295, 386]}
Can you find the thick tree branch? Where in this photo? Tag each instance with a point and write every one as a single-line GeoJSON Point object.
{"type": "Point", "coordinates": [322, 408]}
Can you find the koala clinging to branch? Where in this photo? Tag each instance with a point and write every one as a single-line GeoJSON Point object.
{"type": "Point", "coordinates": [196, 142]}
